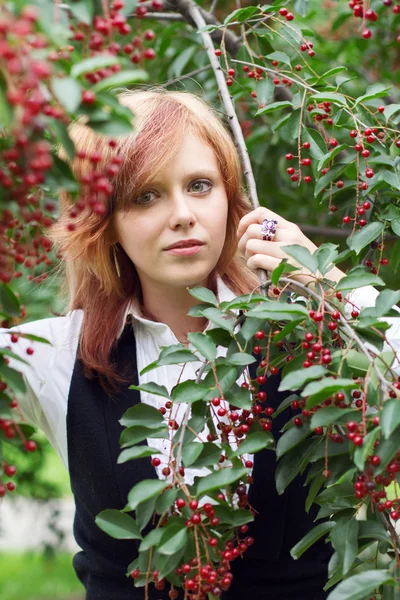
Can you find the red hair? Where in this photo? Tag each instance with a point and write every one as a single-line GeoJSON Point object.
{"type": "Point", "coordinates": [161, 118]}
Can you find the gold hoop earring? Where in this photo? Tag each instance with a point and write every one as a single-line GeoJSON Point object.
{"type": "Point", "coordinates": [116, 262]}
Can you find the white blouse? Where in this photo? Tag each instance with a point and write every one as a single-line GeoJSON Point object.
{"type": "Point", "coordinates": [49, 370]}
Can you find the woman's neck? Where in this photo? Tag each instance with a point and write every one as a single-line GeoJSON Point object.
{"type": "Point", "coordinates": [170, 306]}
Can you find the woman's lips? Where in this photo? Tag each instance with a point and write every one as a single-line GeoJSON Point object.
{"type": "Point", "coordinates": [186, 251]}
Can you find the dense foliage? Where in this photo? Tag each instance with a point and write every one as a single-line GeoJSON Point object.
{"type": "Point", "coordinates": [314, 87]}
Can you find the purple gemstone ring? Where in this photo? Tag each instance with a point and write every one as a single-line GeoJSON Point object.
{"type": "Point", "coordinates": [268, 229]}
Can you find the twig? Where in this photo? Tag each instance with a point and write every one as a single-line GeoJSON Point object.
{"type": "Point", "coordinates": [191, 74]}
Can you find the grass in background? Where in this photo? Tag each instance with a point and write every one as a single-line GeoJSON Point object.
{"type": "Point", "coordinates": [29, 576]}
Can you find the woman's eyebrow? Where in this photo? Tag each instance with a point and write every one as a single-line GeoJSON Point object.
{"type": "Point", "coordinates": [197, 173]}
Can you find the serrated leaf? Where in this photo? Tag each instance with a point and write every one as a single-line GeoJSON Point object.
{"type": "Point", "coordinates": [118, 524]}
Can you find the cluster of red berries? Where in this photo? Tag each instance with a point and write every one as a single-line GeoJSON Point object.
{"type": "Point", "coordinates": [8, 471]}
{"type": "Point", "coordinates": [323, 112]}
{"type": "Point", "coordinates": [370, 15]}
{"type": "Point", "coordinates": [99, 37]}
{"type": "Point", "coordinates": [203, 578]}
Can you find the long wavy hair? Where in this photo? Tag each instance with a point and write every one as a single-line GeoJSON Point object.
{"type": "Point", "coordinates": [89, 281]}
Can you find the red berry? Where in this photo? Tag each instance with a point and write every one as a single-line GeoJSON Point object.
{"type": "Point", "coordinates": [367, 33]}
{"type": "Point", "coordinates": [88, 97]}
{"type": "Point", "coordinates": [259, 335]}
{"type": "Point", "coordinates": [381, 109]}
{"type": "Point", "coordinates": [298, 422]}
{"type": "Point", "coordinates": [340, 184]}
{"type": "Point", "coordinates": [30, 445]}
{"type": "Point", "coordinates": [149, 53]}
{"type": "Point", "coordinates": [283, 12]}
{"type": "Point", "coordinates": [155, 462]}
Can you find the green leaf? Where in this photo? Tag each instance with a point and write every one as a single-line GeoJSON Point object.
{"type": "Point", "coordinates": [265, 90]}
{"type": "Point", "coordinates": [204, 344]}
{"type": "Point", "coordinates": [142, 414]}
{"type": "Point", "coordinates": [6, 113]}
{"type": "Point", "coordinates": [144, 490]}
{"type": "Point", "coordinates": [151, 539]}
{"type": "Point", "coordinates": [191, 452]}
{"type": "Point", "coordinates": [239, 397]}
{"type": "Point", "coordinates": [274, 106]}
{"type": "Point", "coordinates": [293, 123]}
{"type": "Point", "coordinates": [204, 295]}
{"type": "Point", "coordinates": [344, 537]}
{"type": "Point", "coordinates": [361, 453]}
{"type": "Point", "coordinates": [362, 585]}
{"type": "Point", "coordinates": [395, 257]}
{"type": "Point", "coordinates": [377, 90]}
{"type": "Point", "coordinates": [13, 378]}
{"type": "Point", "coordinates": [253, 443]}
{"type": "Point", "coordinates": [174, 538]}
{"type": "Point", "coordinates": [389, 177]}
{"type": "Point", "coordinates": [136, 434]}
{"type": "Point", "coordinates": [93, 64]}
{"type": "Point", "coordinates": [293, 463]}
{"type": "Point", "coordinates": [387, 449]}
{"type": "Point", "coordinates": [310, 538]}
{"type": "Point", "coordinates": [373, 530]}
{"type": "Point", "coordinates": [115, 126]}
{"type": "Point", "coordinates": [331, 415]}
{"type": "Point", "coordinates": [357, 280]}
{"type": "Point", "coordinates": [240, 358]}
{"type": "Point", "coordinates": [296, 379]}
{"type": "Point", "coordinates": [219, 318]}
{"type": "Point", "coordinates": [329, 97]}
{"type": "Point", "coordinates": [220, 479]}
{"type": "Point", "coordinates": [122, 79]}
{"type": "Point", "coordinates": [302, 255]}
{"type": "Point", "coordinates": [283, 267]}
{"type": "Point", "coordinates": [325, 254]}
{"type": "Point", "coordinates": [9, 303]}
{"type": "Point", "coordinates": [292, 438]}
{"type": "Point", "coordinates": [226, 376]}
{"type": "Point", "coordinates": [151, 388]}
{"type": "Point", "coordinates": [317, 143]}
{"type": "Point", "coordinates": [278, 311]}
{"type": "Point", "coordinates": [82, 11]}
{"type": "Point", "coordinates": [173, 358]}
{"type": "Point", "coordinates": [165, 500]}
{"type": "Point", "coordinates": [63, 137]}
{"type": "Point", "coordinates": [118, 525]}
{"type": "Point", "coordinates": [280, 57]}
{"type": "Point", "coordinates": [333, 71]}
{"type": "Point", "coordinates": [301, 7]}
{"type": "Point", "coordinates": [395, 225]}
{"type": "Point", "coordinates": [331, 155]}
{"type": "Point", "coordinates": [242, 14]}
{"type": "Point", "coordinates": [385, 301]}
{"type": "Point", "coordinates": [134, 453]}
{"type": "Point", "coordinates": [68, 92]}
{"type": "Point", "coordinates": [390, 416]}
{"type": "Point", "coordinates": [189, 391]}
{"type": "Point", "coordinates": [209, 455]}
{"type": "Point", "coordinates": [365, 236]}
{"type": "Point", "coordinates": [318, 391]}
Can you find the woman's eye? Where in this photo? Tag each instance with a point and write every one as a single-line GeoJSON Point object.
{"type": "Point", "coordinates": [202, 182]}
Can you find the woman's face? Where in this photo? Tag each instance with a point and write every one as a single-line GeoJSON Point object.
{"type": "Point", "coordinates": [188, 201]}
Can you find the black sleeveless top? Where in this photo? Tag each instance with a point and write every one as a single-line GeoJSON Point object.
{"type": "Point", "coordinates": [266, 570]}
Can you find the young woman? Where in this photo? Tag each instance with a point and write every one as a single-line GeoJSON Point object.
{"type": "Point", "coordinates": [178, 218]}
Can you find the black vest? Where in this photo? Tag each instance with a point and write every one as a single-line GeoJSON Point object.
{"type": "Point", "coordinates": [266, 570]}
